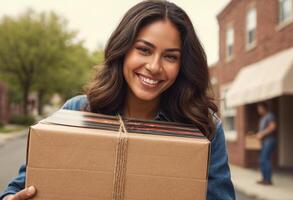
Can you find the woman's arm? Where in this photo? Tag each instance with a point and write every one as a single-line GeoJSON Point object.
{"type": "Point", "coordinates": [17, 184]}
{"type": "Point", "coordinates": [220, 186]}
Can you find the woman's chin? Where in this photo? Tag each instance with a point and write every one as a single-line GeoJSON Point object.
{"type": "Point", "coordinates": [146, 96]}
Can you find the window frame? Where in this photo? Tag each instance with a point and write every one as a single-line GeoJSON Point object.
{"type": "Point", "coordinates": [232, 45]}
{"type": "Point", "coordinates": [251, 11]}
{"type": "Point", "coordinates": [286, 21]}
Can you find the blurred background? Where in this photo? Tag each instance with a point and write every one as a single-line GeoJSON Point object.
{"type": "Point", "coordinates": [49, 50]}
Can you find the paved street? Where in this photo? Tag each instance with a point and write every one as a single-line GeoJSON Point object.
{"type": "Point", "coordinates": [240, 196]}
{"type": "Point", "coordinates": [12, 155]}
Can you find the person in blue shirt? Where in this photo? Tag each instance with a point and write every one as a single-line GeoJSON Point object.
{"type": "Point", "coordinates": [267, 135]}
{"type": "Point", "coordinates": [155, 68]}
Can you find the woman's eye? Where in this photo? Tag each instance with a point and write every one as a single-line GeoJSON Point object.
{"type": "Point", "coordinates": [171, 58]}
{"type": "Point", "coordinates": [143, 50]}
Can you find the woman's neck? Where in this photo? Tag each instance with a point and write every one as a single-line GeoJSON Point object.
{"type": "Point", "coordinates": [136, 108]}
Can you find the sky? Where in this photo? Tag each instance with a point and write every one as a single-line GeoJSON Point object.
{"type": "Point", "coordinates": [96, 19]}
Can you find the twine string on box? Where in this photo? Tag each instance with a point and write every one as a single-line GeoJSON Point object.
{"type": "Point", "coordinates": [120, 163]}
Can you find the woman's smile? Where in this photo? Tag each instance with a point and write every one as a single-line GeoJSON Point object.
{"type": "Point", "coordinates": [148, 82]}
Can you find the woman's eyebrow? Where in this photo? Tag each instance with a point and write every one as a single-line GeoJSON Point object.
{"type": "Point", "coordinates": [146, 43]}
{"type": "Point", "coordinates": [153, 46]}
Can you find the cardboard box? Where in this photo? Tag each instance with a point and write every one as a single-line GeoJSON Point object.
{"type": "Point", "coordinates": [78, 155]}
{"type": "Point", "coordinates": [252, 142]}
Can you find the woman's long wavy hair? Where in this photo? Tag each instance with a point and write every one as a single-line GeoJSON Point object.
{"type": "Point", "coordinates": [187, 99]}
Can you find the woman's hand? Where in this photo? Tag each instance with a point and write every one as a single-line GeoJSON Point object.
{"type": "Point", "coordinates": [24, 194]}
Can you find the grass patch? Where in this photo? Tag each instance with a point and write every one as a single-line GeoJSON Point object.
{"type": "Point", "coordinates": [10, 129]}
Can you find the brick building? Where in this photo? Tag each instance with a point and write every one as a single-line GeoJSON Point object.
{"type": "Point", "coordinates": [255, 64]}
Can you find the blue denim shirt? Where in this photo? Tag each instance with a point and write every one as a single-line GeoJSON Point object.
{"type": "Point", "coordinates": [220, 186]}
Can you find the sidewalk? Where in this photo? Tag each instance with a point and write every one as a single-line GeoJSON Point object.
{"type": "Point", "coordinates": [245, 181]}
{"type": "Point", "coordinates": [9, 136]}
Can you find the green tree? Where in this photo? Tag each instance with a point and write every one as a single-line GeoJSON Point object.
{"type": "Point", "coordinates": [77, 72]}
{"type": "Point", "coordinates": [97, 57]}
{"type": "Point", "coordinates": [38, 52]}
{"type": "Point", "coordinates": [68, 80]}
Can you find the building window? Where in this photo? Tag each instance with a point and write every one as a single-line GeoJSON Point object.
{"type": "Point", "coordinates": [228, 116]}
{"type": "Point", "coordinates": [229, 43]}
{"type": "Point", "coordinates": [285, 10]}
{"type": "Point", "coordinates": [251, 28]}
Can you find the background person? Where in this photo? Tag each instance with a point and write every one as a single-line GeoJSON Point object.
{"type": "Point", "coordinates": [267, 134]}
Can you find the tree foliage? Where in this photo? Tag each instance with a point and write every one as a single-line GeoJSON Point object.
{"type": "Point", "coordinates": [39, 53]}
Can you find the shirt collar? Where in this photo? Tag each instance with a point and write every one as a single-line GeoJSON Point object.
{"type": "Point", "coordinates": [161, 116]}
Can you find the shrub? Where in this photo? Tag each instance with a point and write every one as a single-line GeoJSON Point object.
{"type": "Point", "coordinates": [1, 124]}
{"type": "Point", "coordinates": [22, 120]}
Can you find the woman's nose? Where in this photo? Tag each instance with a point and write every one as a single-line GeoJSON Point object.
{"type": "Point", "coordinates": [154, 66]}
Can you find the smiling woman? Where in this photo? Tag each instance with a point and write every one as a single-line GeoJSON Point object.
{"type": "Point", "coordinates": [155, 68]}
{"type": "Point", "coordinates": [154, 60]}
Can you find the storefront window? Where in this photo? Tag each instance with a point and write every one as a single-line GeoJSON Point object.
{"type": "Point", "coordinates": [228, 115]}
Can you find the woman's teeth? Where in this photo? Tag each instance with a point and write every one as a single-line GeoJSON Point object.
{"type": "Point", "coordinates": [149, 81]}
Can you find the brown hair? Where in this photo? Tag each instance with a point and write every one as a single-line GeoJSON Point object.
{"type": "Point", "coordinates": [186, 100]}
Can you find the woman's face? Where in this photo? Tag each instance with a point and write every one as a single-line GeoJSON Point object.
{"type": "Point", "coordinates": [152, 64]}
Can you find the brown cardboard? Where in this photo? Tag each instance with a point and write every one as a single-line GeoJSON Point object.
{"type": "Point", "coordinates": [69, 162]}
{"type": "Point", "coordinates": [252, 142]}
